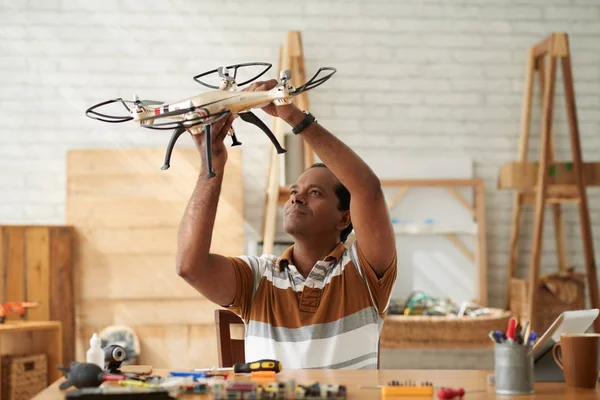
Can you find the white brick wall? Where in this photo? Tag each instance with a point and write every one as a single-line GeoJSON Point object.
{"type": "Point", "coordinates": [432, 77]}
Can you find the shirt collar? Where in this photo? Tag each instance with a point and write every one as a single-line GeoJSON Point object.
{"type": "Point", "coordinates": [333, 257]}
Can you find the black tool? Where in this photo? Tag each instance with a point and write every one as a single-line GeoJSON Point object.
{"type": "Point", "coordinates": [114, 355]}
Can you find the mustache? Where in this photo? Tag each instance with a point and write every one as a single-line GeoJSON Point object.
{"type": "Point", "coordinates": [301, 209]}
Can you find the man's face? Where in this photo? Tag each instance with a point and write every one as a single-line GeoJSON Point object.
{"type": "Point", "coordinates": [312, 206]}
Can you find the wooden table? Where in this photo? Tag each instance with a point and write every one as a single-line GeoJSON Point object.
{"type": "Point", "coordinates": [474, 383]}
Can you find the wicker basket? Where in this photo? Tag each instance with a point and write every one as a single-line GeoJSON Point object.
{"type": "Point", "coordinates": [547, 306]}
{"type": "Point", "coordinates": [434, 332]}
{"type": "Point", "coordinates": [23, 377]}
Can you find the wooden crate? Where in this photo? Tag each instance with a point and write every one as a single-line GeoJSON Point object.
{"type": "Point", "coordinates": [23, 377]}
{"type": "Point", "coordinates": [548, 307]}
{"type": "Point", "coordinates": [36, 263]}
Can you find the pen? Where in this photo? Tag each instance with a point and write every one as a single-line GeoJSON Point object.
{"type": "Point", "coordinates": [510, 331]}
{"type": "Point", "coordinates": [524, 330]}
{"type": "Point", "coordinates": [532, 337]}
{"type": "Point", "coordinates": [195, 375]}
{"type": "Point", "coordinates": [492, 336]}
{"type": "Point", "coordinates": [500, 336]}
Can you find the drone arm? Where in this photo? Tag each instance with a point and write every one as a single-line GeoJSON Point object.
{"type": "Point", "coordinates": [253, 119]}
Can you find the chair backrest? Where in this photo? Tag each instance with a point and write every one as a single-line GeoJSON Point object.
{"type": "Point", "coordinates": [231, 351]}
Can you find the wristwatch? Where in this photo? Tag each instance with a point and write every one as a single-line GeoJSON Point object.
{"type": "Point", "coordinates": [308, 119]}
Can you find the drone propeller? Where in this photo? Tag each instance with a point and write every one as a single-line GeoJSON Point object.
{"type": "Point", "coordinates": [224, 73]}
{"type": "Point", "coordinates": [141, 103]}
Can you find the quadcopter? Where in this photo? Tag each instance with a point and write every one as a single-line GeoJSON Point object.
{"type": "Point", "coordinates": [198, 114]}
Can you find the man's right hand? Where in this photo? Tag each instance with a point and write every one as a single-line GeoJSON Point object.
{"type": "Point", "coordinates": [218, 147]}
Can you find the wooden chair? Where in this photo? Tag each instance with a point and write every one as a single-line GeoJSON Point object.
{"type": "Point", "coordinates": [231, 351]}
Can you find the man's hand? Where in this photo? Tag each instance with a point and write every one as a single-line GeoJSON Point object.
{"type": "Point", "coordinates": [218, 147]}
{"type": "Point", "coordinates": [285, 112]}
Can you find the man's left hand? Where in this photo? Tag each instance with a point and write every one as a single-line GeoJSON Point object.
{"type": "Point", "coordinates": [285, 112]}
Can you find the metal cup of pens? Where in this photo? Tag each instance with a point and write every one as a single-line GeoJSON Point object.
{"type": "Point", "coordinates": [513, 361]}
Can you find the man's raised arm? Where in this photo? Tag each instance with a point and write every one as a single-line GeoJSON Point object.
{"type": "Point", "coordinates": [368, 209]}
{"type": "Point", "coordinates": [210, 274]}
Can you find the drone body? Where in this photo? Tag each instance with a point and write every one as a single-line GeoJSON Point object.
{"type": "Point", "coordinates": [198, 113]}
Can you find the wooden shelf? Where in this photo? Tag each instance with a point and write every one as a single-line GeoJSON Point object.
{"type": "Point", "coordinates": [524, 175]}
{"type": "Point", "coordinates": [21, 338]}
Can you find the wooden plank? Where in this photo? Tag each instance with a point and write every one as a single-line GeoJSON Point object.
{"type": "Point", "coordinates": [126, 250]}
{"type": "Point", "coordinates": [129, 213]}
{"type": "Point", "coordinates": [91, 162]}
{"type": "Point", "coordinates": [579, 170]}
{"type": "Point", "coordinates": [399, 194]}
{"type": "Point", "coordinates": [149, 311]}
{"type": "Point", "coordinates": [517, 200]}
{"type": "Point", "coordinates": [129, 278]}
{"type": "Point", "coordinates": [162, 188]}
{"type": "Point", "coordinates": [183, 347]}
{"type": "Point", "coordinates": [542, 179]}
{"type": "Point", "coordinates": [429, 182]}
{"type": "Point", "coordinates": [559, 235]}
{"type": "Point", "coordinates": [461, 246]}
{"type": "Point", "coordinates": [481, 249]}
{"type": "Point", "coordinates": [15, 271]}
{"type": "Point", "coordinates": [62, 301]}
{"type": "Point", "coordinates": [555, 194]}
{"type": "Point", "coordinates": [461, 199]}
{"type": "Point", "coordinates": [38, 272]}
{"type": "Point", "coordinates": [543, 47]}
{"type": "Point", "coordinates": [3, 262]}
{"type": "Point", "coordinates": [559, 44]}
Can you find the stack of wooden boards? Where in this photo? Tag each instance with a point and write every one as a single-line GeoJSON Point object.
{"type": "Point", "coordinates": [126, 213]}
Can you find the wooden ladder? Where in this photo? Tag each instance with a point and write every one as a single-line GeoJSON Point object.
{"type": "Point", "coordinates": [290, 57]}
{"type": "Point", "coordinates": [549, 182]}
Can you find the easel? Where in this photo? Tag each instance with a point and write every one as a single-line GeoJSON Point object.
{"type": "Point", "coordinates": [547, 181]}
{"type": "Point", "coordinates": [290, 57]}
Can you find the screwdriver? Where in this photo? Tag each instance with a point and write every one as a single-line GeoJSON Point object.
{"type": "Point", "coordinates": [246, 368]}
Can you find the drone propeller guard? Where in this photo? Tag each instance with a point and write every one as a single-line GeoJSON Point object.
{"type": "Point", "coordinates": [235, 68]}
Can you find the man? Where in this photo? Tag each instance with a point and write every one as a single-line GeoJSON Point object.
{"type": "Point", "coordinates": [321, 304]}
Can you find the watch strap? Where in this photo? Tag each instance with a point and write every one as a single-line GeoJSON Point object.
{"type": "Point", "coordinates": [308, 119]}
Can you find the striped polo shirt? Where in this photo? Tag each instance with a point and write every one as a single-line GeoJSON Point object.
{"type": "Point", "coordinates": [330, 319]}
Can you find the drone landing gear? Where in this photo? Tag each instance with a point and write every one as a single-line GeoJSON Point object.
{"type": "Point", "coordinates": [208, 147]}
{"type": "Point", "coordinates": [234, 139]}
{"type": "Point", "coordinates": [253, 119]}
{"type": "Point", "coordinates": [176, 133]}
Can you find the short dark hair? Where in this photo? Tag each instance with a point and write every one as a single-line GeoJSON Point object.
{"type": "Point", "coordinates": [343, 196]}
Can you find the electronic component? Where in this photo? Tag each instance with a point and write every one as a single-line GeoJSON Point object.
{"type": "Point", "coordinates": [277, 390]}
